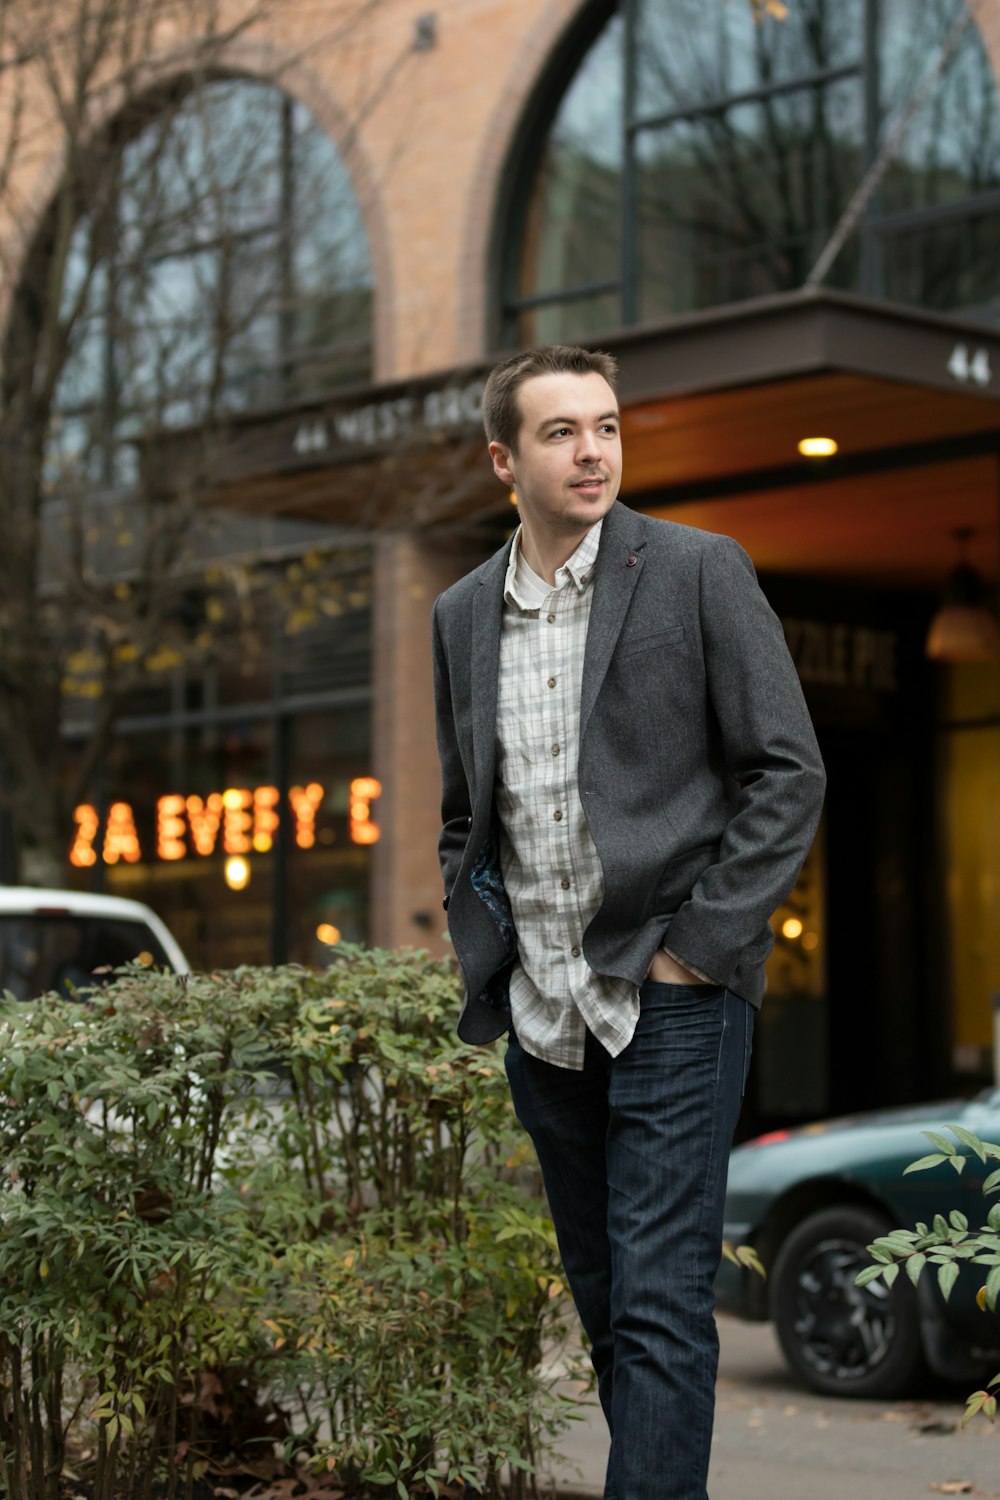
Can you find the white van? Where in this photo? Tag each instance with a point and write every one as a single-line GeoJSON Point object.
{"type": "Point", "coordinates": [54, 940]}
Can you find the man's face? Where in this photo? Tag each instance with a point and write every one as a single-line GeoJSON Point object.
{"type": "Point", "coordinates": [567, 469]}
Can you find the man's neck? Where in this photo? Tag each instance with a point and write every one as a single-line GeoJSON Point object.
{"type": "Point", "coordinates": [547, 553]}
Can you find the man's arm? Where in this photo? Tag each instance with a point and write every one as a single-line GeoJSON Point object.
{"type": "Point", "coordinates": [456, 808]}
{"type": "Point", "coordinates": [770, 752]}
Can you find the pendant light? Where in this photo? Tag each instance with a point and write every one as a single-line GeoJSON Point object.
{"type": "Point", "coordinates": [965, 627]}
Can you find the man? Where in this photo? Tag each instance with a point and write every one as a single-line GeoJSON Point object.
{"type": "Point", "coordinates": [630, 785]}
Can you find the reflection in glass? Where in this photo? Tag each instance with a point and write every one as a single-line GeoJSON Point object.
{"type": "Point", "coordinates": [739, 203]}
{"type": "Point", "coordinates": [952, 147]}
{"type": "Point", "coordinates": [567, 321]}
{"type": "Point", "coordinates": [690, 54]}
{"type": "Point", "coordinates": [571, 235]}
{"type": "Point", "coordinates": [745, 145]}
{"type": "Point", "coordinates": [237, 273]}
{"type": "Point", "coordinates": [948, 267]}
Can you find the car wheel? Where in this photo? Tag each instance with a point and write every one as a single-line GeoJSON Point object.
{"type": "Point", "coordinates": [842, 1339]}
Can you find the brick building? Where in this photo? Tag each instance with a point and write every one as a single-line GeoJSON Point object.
{"type": "Point", "coordinates": [660, 177]}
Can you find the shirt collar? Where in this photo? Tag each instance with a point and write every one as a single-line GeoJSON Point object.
{"type": "Point", "coordinates": [578, 569]}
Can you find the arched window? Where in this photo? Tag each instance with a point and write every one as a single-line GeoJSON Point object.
{"type": "Point", "coordinates": [703, 154]}
{"type": "Point", "coordinates": [223, 267]}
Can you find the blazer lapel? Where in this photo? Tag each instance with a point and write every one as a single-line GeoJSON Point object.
{"type": "Point", "coordinates": [619, 563]}
{"type": "Point", "coordinates": [487, 617]}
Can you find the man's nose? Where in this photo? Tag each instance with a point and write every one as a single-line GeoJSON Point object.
{"type": "Point", "coordinates": [587, 449]}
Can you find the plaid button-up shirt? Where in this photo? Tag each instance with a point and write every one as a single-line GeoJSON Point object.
{"type": "Point", "coordinates": [551, 867]}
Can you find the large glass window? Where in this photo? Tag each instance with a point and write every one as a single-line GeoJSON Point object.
{"type": "Point", "coordinates": [223, 267]}
{"type": "Point", "coordinates": [255, 746]}
{"type": "Point", "coordinates": [703, 154]}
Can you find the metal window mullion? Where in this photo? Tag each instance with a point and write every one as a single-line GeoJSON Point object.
{"type": "Point", "coordinates": [286, 267]}
{"type": "Point", "coordinates": [872, 266]}
{"type": "Point", "coordinates": [885, 226]}
{"type": "Point", "coordinates": [818, 79]}
{"type": "Point", "coordinates": [563, 294]}
{"type": "Point", "coordinates": [110, 393]}
{"type": "Point", "coordinates": [629, 268]}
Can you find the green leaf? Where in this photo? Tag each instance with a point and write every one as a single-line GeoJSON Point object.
{"type": "Point", "coordinates": [993, 1288]}
{"type": "Point", "coordinates": [958, 1220]}
{"type": "Point", "coordinates": [890, 1273]}
{"type": "Point", "coordinates": [914, 1265]}
{"type": "Point", "coordinates": [958, 1162]}
{"type": "Point", "coordinates": [992, 1182]}
{"type": "Point", "coordinates": [947, 1276]}
{"type": "Point", "coordinates": [868, 1274]}
{"type": "Point", "coordinates": [974, 1404]}
{"type": "Point", "coordinates": [941, 1142]}
{"type": "Point", "coordinates": [925, 1162]}
{"type": "Point", "coordinates": [968, 1139]}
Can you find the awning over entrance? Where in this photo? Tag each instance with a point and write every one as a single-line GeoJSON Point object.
{"type": "Point", "coordinates": [912, 400]}
{"type": "Point", "coordinates": [714, 405]}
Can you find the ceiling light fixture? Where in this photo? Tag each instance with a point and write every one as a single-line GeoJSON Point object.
{"type": "Point", "coordinates": [964, 628]}
{"type": "Point", "coordinates": [818, 447]}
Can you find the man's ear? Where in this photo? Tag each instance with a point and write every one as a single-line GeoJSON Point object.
{"type": "Point", "coordinates": [500, 454]}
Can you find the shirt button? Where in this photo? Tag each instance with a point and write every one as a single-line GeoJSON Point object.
{"type": "Point", "coordinates": [551, 682]}
{"type": "Point", "coordinates": [551, 619]}
{"type": "Point", "coordinates": [564, 883]}
{"type": "Point", "coordinates": [555, 749]}
{"type": "Point", "coordinates": [557, 815]}
{"type": "Point", "coordinates": [575, 952]}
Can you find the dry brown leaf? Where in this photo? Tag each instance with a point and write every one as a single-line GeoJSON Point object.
{"type": "Point", "coordinates": [953, 1487]}
{"type": "Point", "coordinates": [298, 1487]}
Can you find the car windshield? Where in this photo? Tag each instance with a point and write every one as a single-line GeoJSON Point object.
{"type": "Point", "coordinates": [60, 951]}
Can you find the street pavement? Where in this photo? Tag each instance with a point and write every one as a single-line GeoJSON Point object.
{"type": "Point", "coordinates": [775, 1441]}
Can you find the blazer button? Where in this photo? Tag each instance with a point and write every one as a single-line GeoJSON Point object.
{"type": "Point", "coordinates": [630, 562]}
{"type": "Point", "coordinates": [557, 815]}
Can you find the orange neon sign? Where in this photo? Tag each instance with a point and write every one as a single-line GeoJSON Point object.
{"type": "Point", "coordinates": [364, 790]}
{"type": "Point", "coordinates": [237, 821]}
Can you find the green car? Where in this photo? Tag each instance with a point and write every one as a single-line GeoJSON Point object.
{"type": "Point", "coordinates": [810, 1200]}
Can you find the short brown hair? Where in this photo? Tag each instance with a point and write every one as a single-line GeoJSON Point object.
{"type": "Point", "coordinates": [501, 413]}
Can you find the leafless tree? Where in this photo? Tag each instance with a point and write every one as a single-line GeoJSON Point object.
{"type": "Point", "coordinates": [199, 252]}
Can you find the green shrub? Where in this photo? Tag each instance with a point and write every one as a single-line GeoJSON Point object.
{"type": "Point", "coordinates": [270, 1214]}
{"type": "Point", "coordinates": [946, 1245]}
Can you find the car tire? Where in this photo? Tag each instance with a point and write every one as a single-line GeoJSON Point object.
{"type": "Point", "coordinates": [844, 1340]}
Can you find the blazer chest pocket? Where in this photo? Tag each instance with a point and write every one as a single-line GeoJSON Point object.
{"type": "Point", "coordinates": [658, 640]}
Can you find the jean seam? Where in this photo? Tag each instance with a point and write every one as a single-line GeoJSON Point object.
{"type": "Point", "coordinates": [706, 1436]}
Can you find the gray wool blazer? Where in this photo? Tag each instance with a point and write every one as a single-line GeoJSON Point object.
{"type": "Point", "coordinates": [699, 771]}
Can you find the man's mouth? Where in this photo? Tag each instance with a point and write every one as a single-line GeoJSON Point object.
{"type": "Point", "coordinates": [594, 482]}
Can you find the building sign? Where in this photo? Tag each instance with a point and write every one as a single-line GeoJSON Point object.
{"type": "Point", "coordinates": [378, 424]}
{"type": "Point", "coordinates": [239, 820]}
{"type": "Point", "coordinates": [831, 654]}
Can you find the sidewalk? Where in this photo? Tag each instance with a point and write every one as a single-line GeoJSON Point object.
{"type": "Point", "coordinates": [774, 1441]}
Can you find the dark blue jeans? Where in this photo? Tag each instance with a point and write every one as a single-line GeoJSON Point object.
{"type": "Point", "coordinates": [633, 1152]}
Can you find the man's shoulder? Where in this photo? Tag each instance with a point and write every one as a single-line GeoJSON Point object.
{"type": "Point", "coordinates": [681, 541]}
{"type": "Point", "coordinates": [459, 595]}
